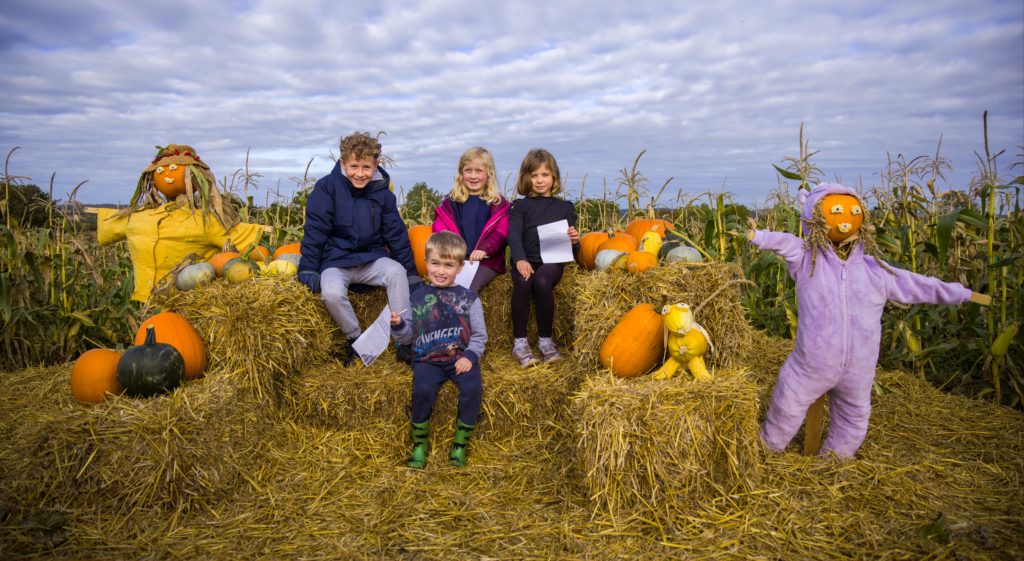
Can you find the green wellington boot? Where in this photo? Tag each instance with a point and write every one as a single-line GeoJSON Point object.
{"type": "Point", "coordinates": [420, 445]}
{"type": "Point", "coordinates": [463, 432]}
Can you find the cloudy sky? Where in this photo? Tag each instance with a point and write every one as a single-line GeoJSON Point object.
{"type": "Point", "coordinates": [714, 91]}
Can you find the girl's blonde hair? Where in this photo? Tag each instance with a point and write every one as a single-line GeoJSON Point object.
{"type": "Point", "coordinates": [490, 195]}
{"type": "Point", "coordinates": [533, 160]}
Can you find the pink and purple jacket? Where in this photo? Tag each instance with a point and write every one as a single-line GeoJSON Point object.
{"type": "Point", "coordinates": [839, 332]}
{"type": "Point", "coordinates": [493, 238]}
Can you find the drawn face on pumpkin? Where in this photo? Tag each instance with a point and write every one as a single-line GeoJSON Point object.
{"type": "Point", "coordinates": [843, 214]}
{"type": "Point", "coordinates": [170, 179]}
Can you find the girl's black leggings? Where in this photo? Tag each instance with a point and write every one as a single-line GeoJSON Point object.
{"type": "Point", "coordinates": [541, 286]}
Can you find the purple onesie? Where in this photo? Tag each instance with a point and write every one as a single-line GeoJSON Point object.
{"type": "Point", "coordinates": [838, 332]}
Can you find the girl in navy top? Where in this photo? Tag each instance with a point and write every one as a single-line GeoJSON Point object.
{"type": "Point", "coordinates": [539, 180]}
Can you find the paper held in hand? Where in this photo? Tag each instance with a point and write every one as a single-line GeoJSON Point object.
{"type": "Point", "coordinates": [467, 273]}
{"type": "Point", "coordinates": [555, 245]}
{"type": "Point", "coordinates": [375, 338]}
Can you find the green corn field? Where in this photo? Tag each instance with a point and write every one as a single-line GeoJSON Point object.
{"type": "Point", "coordinates": [62, 294]}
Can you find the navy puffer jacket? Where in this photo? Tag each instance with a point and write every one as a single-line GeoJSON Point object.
{"type": "Point", "coordinates": [343, 230]}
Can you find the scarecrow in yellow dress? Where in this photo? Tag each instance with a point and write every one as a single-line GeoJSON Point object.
{"type": "Point", "coordinates": [176, 211]}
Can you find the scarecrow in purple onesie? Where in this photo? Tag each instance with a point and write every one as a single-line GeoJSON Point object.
{"type": "Point", "coordinates": [841, 287]}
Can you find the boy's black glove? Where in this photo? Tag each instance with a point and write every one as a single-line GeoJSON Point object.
{"type": "Point", "coordinates": [311, 279]}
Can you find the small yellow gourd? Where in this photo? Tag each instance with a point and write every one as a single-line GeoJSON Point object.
{"type": "Point", "coordinates": [651, 242]}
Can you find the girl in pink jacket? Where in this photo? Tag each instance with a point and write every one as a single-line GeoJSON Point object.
{"type": "Point", "coordinates": [477, 212]}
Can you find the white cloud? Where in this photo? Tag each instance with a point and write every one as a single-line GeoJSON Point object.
{"type": "Point", "coordinates": [716, 93]}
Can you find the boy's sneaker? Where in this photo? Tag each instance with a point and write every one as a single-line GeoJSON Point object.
{"type": "Point", "coordinates": [548, 350]}
{"type": "Point", "coordinates": [523, 354]}
{"type": "Point", "coordinates": [346, 353]}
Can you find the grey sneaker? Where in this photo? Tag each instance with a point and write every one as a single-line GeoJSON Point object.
{"type": "Point", "coordinates": [524, 355]}
{"type": "Point", "coordinates": [548, 350]}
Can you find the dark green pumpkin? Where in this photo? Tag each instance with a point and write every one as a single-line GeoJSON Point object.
{"type": "Point", "coordinates": [668, 246]}
{"type": "Point", "coordinates": [151, 368]}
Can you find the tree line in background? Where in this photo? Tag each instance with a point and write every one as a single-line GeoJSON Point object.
{"type": "Point", "coordinates": [61, 294]}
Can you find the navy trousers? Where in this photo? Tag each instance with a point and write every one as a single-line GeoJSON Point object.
{"type": "Point", "coordinates": [427, 379]}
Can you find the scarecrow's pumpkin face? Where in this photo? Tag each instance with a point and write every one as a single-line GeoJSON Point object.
{"type": "Point", "coordinates": [843, 214]}
{"type": "Point", "coordinates": [170, 179]}
{"type": "Point", "coordinates": [677, 317]}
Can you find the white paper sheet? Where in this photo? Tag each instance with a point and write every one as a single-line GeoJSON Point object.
{"type": "Point", "coordinates": [555, 245]}
{"type": "Point", "coordinates": [375, 338]}
{"type": "Point", "coordinates": [467, 273]}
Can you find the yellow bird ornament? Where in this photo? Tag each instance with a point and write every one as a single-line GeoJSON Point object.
{"type": "Point", "coordinates": [687, 343]}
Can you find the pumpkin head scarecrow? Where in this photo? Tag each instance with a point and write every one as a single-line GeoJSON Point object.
{"type": "Point", "coordinates": [841, 287]}
{"type": "Point", "coordinates": [176, 211]}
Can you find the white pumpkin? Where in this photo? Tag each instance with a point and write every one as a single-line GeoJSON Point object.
{"type": "Point", "coordinates": [604, 259]}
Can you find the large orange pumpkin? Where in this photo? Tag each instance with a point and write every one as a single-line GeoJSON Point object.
{"type": "Point", "coordinates": [640, 226]}
{"type": "Point", "coordinates": [176, 331]}
{"type": "Point", "coordinates": [94, 375]}
{"type": "Point", "coordinates": [634, 345]}
{"type": "Point", "coordinates": [843, 214]}
{"type": "Point", "coordinates": [170, 180]}
{"type": "Point", "coordinates": [588, 248]}
{"type": "Point", "coordinates": [418, 240]}
{"type": "Point", "coordinates": [620, 241]}
{"type": "Point", "coordinates": [288, 248]}
{"type": "Point", "coordinates": [640, 261]}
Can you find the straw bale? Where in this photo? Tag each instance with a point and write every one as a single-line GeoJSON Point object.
{"type": "Point", "coordinates": [603, 298]}
{"type": "Point", "coordinates": [515, 399]}
{"type": "Point", "coordinates": [267, 328]}
{"type": "Point", "coordinates": [654, 450]}
{"type": "Point", "coordinates": [170, 452]}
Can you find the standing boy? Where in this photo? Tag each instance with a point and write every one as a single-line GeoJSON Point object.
{"type": "Point", "coordinates": [354, 235]}
{"type": "Point", "coordinates": [448, 334]}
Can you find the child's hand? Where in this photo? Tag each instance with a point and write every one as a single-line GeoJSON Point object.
{"type": "Point", "coordinates": [463, 365]}
{"type": "Point", "coordinates": [396, 318]}
{"type": "Point", "coordinates": [574, 235]}
{"type": "Point", "coordinates": [477, 255]}
{"type": "Point", "coordinates": [524, 268]}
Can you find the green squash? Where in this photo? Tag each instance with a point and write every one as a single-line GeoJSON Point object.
{"type": "Point", "coordinates": [196, 274]}
{"type": "Point", "coordinates": [151, 368]}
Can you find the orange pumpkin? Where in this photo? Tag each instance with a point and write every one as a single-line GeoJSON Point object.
{"type": "Point", "coordinates": [640, 226]}
{"type": "Point", "coordinates": [259, 254]}
{"type": "Point", "coordinates": [620, 241]}
{"type": "Point", "coordinates": [588, 248]}
{"type": "Point", "coordinates": [227, 253]}
{"type": "Point", "coordinates": [640, 261]}
{"type": "Point", "coordinates": [170, 180]}
{"type": "Point", "coordinates": [176, 331]}
{"type": "Point", "coordinates": [94, 375]}
{"type": "Point", "coordinates": [843, 214]}
{"type": "Point", "coordinates": [634, 345]}
{"type": "Point", "coordinates": [288, 248]}
{"type": "Point", "coordinates": [418, 240]}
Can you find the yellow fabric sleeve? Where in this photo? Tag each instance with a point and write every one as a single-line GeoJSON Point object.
{"type": "Point", "coordinates": [110, 230]}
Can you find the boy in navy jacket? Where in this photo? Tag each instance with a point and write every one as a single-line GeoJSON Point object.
{"type": "Point", "coordinates": [447, 331]}
{"type": "Point", "coordinates": [354, 235]}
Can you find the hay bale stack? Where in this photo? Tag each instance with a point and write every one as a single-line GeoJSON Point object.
{"type": "Point", "coordinates": [377, 397]}
{"type": "Point", "coordinates": [654, 451]}
{"type": "Point", "coordinates": [603, 298]}
{"type": "Point", "coordinates": [125, 455]}
{"type": "Point", "coordinates": [267, 328]}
